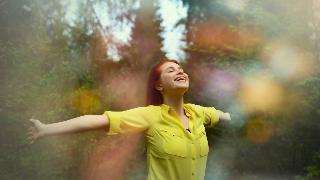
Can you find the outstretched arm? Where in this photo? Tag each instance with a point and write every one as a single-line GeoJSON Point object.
{"type": "Point", "coordinates": [78, 124]}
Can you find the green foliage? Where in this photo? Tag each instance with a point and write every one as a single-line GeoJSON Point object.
{"type": "Point", "coordinates": [44, 62]}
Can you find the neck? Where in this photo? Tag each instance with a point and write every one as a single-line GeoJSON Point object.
{"type": "Point", "coordinates": [175, 102]}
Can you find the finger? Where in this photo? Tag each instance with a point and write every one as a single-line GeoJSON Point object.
{"type": "Point", "coordinates": [229, 116]}
{"type": "Point", "coordinates": [31, 142]}
{"type": "Point", "coordinates": [33, 120]}
{"type": "Point", "coordinates": [31, 129]}
{"type": "Point", "coordinates": [30, 138]}
{"type": "Point", "coordinates": [30, 134]}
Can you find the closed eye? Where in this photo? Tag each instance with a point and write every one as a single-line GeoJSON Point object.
{"type": "Point", "coordinates": [172, 69]}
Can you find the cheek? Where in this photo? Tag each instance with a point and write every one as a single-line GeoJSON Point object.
{"type": "Point", "coordinates": [166, 80]}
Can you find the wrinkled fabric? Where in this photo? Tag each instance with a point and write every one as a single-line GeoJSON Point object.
{"type": "Point", "coordinates": [173, 153]}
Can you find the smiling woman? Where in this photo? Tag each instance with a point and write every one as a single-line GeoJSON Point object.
{"type": "Point", "coordinates": [177, 146]}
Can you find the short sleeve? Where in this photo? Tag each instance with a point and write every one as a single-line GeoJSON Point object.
{"type": "Point", "coordinates": [209, 115]}
{"type": "Point", "coordinates": [133, 120]}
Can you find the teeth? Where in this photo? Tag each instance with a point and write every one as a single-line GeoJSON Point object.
{"type": "Point", "coordinates": [180, 79]}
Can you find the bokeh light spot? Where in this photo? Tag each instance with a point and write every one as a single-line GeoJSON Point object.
{"type": "Point", "coordinates": [259, 131]}
{"type": "Point", "coordinates": [260, 93]}
{"type": "Point", "coordinates": [85, 101]}
{"type": "Point", "coordinates": [287, 62]}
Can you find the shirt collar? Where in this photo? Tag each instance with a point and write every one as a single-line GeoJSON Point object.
{"type": "Point", "coordinates": [185, 107]}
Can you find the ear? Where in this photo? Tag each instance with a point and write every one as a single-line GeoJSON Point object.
{"type": "Point", "coordinates": [159, 87]}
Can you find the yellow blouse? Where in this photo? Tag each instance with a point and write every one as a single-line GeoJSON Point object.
{"type": "Point", "coordinates": [173, 153]}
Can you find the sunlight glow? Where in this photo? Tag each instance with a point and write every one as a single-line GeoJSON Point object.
{"type": "Point", "coordinates": [114, 19]}
{"type": "Point", "coordinates": [172, 14]}
{"type": "Point", "coordinates": [72, 8]}
{"type": "Point", "coordinates": [116, 24]}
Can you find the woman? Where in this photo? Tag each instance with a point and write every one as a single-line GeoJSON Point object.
{"type": "Point", "coordinates": [177, 146]}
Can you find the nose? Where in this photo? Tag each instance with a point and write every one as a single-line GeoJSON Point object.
{"type": "Point", "coordinates": [180, 71]}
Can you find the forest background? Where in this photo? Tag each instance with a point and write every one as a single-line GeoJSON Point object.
{"type": "Point", "coordinates": [258, 60]}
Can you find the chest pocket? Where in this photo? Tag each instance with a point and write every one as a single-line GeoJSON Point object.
{"type": "Point", "coordinates": [173, 142]}
{"type": "Point", "coordinates": [203, 142]}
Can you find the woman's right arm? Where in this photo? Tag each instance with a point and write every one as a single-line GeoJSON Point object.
{"type": "Point", "coordinates": [78, 124]}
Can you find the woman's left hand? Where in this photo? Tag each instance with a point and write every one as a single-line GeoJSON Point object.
{"type": "Point", "coordinates": [224, 118]}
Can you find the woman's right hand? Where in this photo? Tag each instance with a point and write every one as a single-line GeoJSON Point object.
{"type": "Point", "coordinates": [36, 131]}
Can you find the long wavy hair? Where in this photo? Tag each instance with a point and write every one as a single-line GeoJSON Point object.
{"type": "Point", "coordinates": [154, 97]}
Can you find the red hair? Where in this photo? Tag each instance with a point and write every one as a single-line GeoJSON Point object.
{"type": "Point", "coordinates": [154, 97]}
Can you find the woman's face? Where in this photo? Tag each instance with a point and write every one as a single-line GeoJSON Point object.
{"type": "Point", "coordinates": [173, 79]}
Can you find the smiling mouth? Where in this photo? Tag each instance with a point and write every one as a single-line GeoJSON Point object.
{"type": "Point", "coordinates": [180, 79]}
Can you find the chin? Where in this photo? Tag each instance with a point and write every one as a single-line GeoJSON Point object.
{"type": "Point", "coordinates": [182, 89]}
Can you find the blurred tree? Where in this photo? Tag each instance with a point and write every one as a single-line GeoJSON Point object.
{"type": "Point", "coordinates": [54, 70]}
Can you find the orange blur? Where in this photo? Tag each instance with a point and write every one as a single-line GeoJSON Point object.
{"type": "Point", "coordinates": [260, 93]}
{"type": "Point", "coordinates": [259, 131]}
{"type": "Point", "coordinates": [219, 36]}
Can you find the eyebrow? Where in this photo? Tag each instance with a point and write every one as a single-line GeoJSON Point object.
{"type": "Point", "coordinates": [171, 67]}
